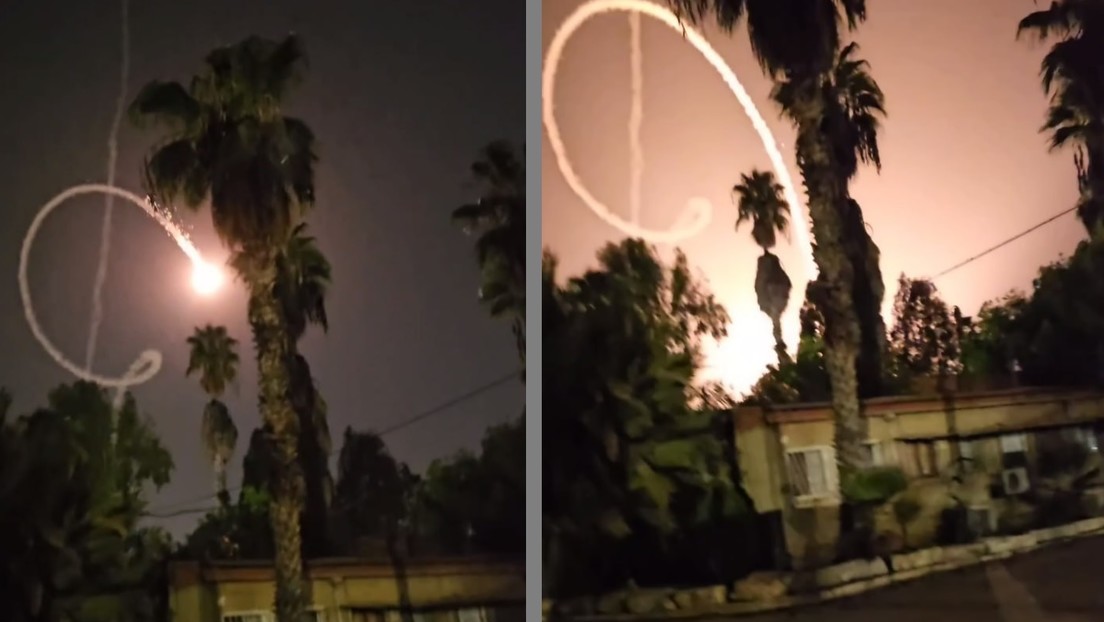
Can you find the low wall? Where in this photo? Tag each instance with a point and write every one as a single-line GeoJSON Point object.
{"type": "Point", "coordinates": [767, 591]}
{"type": "Point", "coordinates": [203, 592]}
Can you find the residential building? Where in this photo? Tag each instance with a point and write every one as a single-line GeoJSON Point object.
{"type": "Point", "coordinates": [992, 452]}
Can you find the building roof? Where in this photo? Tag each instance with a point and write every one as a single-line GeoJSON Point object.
{"type": "Point", "coordinates": [187, 572]}
{"type": "Point", "coordinates": [750, 417]}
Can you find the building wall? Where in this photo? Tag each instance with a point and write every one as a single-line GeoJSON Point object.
{"type": "Point", "coordinates": [206, 593]}
{"type": "Point", "coordinates": [811, 523]}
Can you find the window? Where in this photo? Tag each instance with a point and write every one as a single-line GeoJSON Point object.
{"type": "Point", "coordinates": [472, 615]}
{"type": "Point", "coordinates": [880, 453]}
{"type": "Point", "coordinates": [1013, 443]}
{"type": "Point", "coordinates": [966, 450]}
{"type": "Point", "coordinates": [313, 615]}
{"type": "Point", "coordinates": [246, 616]}
{"type": "Point", "coordinates": [966, 460]}
{"type": "Point", "coordinates": [918, 458]}
{"type": "Point", "coordinates": [812, 471]}
{"type": "Point", "coordinates": [1085, 437]}
{"type": "Point", "coordinates": [1013, 450]}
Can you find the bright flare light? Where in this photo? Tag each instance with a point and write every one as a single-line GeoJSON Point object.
{"type": "Point", "coordinates": [206, 278]}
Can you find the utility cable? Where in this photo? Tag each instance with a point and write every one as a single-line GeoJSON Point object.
{"type": "Point", "coordinates": [167, 512]}
{"type": "Point", "coordinates": [1004, 243]}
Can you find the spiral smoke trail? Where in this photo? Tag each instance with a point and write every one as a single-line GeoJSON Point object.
{"type": "Point", "coordinates": [698, 211]}
{"type": "Point", "coordinates": [148, 362]}
{"type": "Point", "coordinates": [109, 199]}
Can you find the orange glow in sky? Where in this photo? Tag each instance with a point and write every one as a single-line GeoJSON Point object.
{"type": "Point", "coordinates": [964, 165]}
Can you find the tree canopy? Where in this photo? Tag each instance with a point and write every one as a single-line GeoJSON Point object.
{"type": "Point", "coordinates": [73, 480]}
{"type": "Point", "coordinates": [632, 444]}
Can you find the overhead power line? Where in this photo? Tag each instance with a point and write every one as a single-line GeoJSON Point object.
{"type": "Point", "coordinates": [167, 512]}
{"type": "Point", "coordinates": [1004, 243]}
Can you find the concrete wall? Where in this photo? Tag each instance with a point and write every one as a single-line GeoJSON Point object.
{"type": "Point", "coordinates": [202, 593]}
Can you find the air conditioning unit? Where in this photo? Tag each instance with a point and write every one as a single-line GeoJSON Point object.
{"type": "Point", "coordinates": [1015, 481]}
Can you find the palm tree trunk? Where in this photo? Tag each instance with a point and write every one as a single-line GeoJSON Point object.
{"type": "Point", "coordinates": [842, 336]}
{"type": "Point", "coordinates": [271, 340]}
{"type": "Point", "coordinates": [220, 483]}
{"type": "Point", "coordinates": [398, 565]}
{"type": "Point", "coordinates": [779, 343]}
{"type": "Point", "coordinates": [869, 293]}
{"type": "Point", "coordinates": [312, 456]}
{"type": "Point", "coordinates": [518, 324]}
{"type": "Point", "coordinates": [518, 328]}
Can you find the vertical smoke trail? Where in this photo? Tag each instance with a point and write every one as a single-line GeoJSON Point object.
{"type": "Point", "coordinates": [109, 199]}
{"type": "Point", "coordinates": [636, 117]}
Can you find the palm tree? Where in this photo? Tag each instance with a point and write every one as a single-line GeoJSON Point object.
{"type": "Point", "coordinates": [303, 278]}
{"type": "Point", "coordinates": [796, 43]}
{"type": "Point", "coordinates": [854, 105]}
{"type": "Point", "coordinates": [498, 216]}
{"type": "Point", "coordinates": [836, 114]}
{"type": "Point", "coordinates": [1072, 77]}
{"type": "Point", "coordinates": [226, 142]}
{"type": "Point", "coordinates": [214, 357]}
{"type": "Point", "coordinates": [760, 202]}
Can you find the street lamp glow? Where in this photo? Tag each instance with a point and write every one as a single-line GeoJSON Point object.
{"type": "Point", "coordinates": [206, 278]}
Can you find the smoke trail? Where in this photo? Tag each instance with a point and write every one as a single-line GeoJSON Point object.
{"type": "Point", "coordinates": [698, 211]}
{"type": "Point", "coordinates": [636, 117]}
{"type": "Point", "coordinates": [148, 362]}
{"type": "Point", "coordinates": [109, 199]}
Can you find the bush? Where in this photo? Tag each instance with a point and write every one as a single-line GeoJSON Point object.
{"type": "Point", "coordinates": [874, 485]}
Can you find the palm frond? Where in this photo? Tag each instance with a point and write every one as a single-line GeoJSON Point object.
{"type": "Point", "coordinates": [285, 66]}
{"type": "Point", "coordinates": [299, 158]}
{"type": "Point", "coordinates": [759, 201]}
{"type": "Point", "coordinates": [725, 13]}
{"type": "Point", "coordinates": [497, 217]}
{"type": "Point", "coordinates": [1058, 19]}
{"type": "Point", "coordinates": [167, 103]}
{"type": "Point", "coordinates": [176, 171]}
{"type": "Point", "coordinates": [303, 278]}
{"type": "Point", "coordinates": [229, 142]}
{"type": "Point", "coordinates": [214, 357]}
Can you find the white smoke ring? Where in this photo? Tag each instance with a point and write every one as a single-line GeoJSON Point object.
{"type": "Point", "coordinates": [148, 363]}
{"type": "Point", "coordinates": [698, 211]}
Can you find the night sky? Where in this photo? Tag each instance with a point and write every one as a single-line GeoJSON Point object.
{"type": "Point", "coordinates": [401, 96]}
{"type": "Point", "coordinates": [964, 166]}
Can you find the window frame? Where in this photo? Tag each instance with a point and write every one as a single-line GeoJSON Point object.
{"type": "Point", "coordinates": [881, 452]}
{"type": "Point", "coordinates": [1006, 444]}
{"type": "Point", "coordinates": [831, 476]}
{"type": "Point", "coordinates": [918, 453]}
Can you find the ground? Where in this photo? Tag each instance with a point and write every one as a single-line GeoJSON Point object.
{"type": "Point", "coordinates": [1062, 583]}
